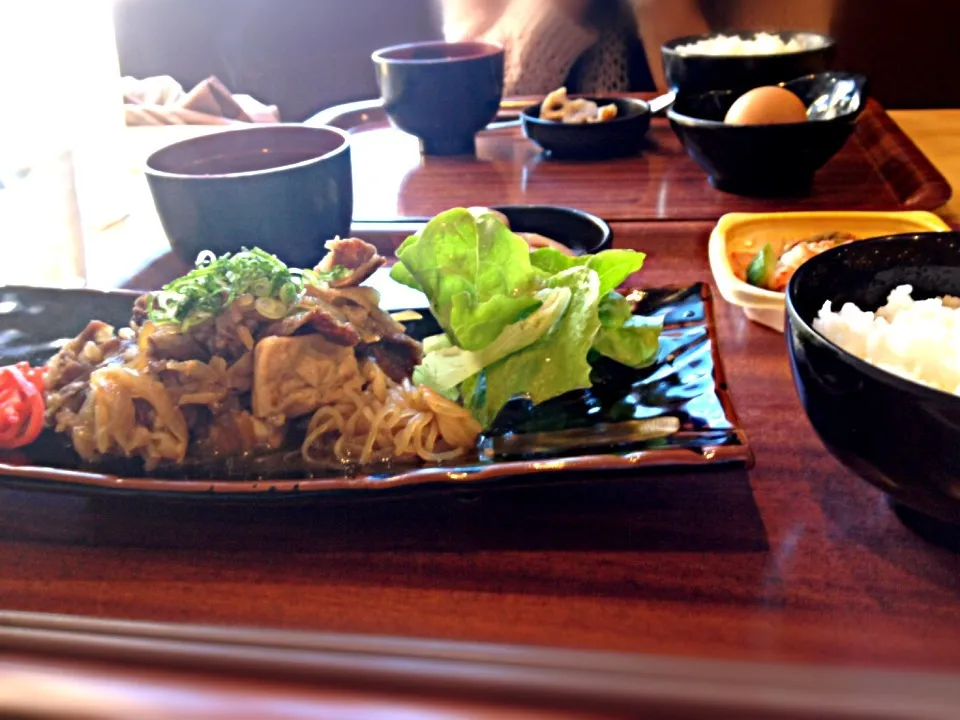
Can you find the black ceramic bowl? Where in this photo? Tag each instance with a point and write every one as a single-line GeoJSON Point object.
{"type": "Point", "coordinates": [767, 159]}
{"type": "Point", "coordinates": [283, 188]}
{"type": "Point", "coordinates": [738, 73]}
{"type": "Point", "coordinates": [580, 231]}
{"type": "Point", "coordinates": [443, 93]}
{"type": "Point", "coordinates": [900, 436]}
{"type": "Point", "coordinates": [624, 135]}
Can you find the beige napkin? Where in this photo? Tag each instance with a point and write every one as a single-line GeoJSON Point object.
{"type": "Point", "coordinates": [161, 100]}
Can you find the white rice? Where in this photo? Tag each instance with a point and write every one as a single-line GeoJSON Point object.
{"type": "Point", "coordinates": [915, 339]}
{"type": "Point", "coordinates": [761, 44]}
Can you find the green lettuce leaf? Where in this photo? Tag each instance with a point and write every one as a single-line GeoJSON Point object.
{"type": "Point", "coordinates": [635, 343]}
{"type": "Point", "coordinates": [477, 325]}
{"type": "Point", "coordinates": [629, 339]}
{"type": "Point", "coordinates": [446, 367]}
{"type": "Point", "coordinates": [515, 321]}
{"type": "Point", "coordinates": [615, 266]}
{"type": "Point", "coordinates": [614, 310]}
{"type": "Point", "coordinates": [400, 273]}
{"type": "Point", "coordinates": [612, 266]}
{"type": "Point", "coordinates": [461, 261]}
{"type": "Point", "coordinates": [433, 343]}
{"type": "Point", "coordinates": [553, 261]}
{"type": "Point", "coordinates": [554, 364]}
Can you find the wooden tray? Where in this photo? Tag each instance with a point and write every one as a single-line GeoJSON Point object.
{"type": "Point", "coordinates": [879, 169]}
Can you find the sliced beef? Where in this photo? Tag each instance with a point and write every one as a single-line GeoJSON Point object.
{"type": "Point", "coordinates": [168, 343]}
{"type": "Point", "coordinates": [320, 320]}
{"type": "Point", "coordinates": [67, 379]}
{"type": "Point", "coordinates": [140, 307]}
{"type": "Point", "coordinates": [361, 307]}
{"type": "Point", "coordinates": [336, 331]}
{"type": "Point", "coordinates": [71, 362]}
{"type": "Point", "coordinates": [397, 355]}
{"type": "Point", "coordinates": [357, 256]}
{"type": "Point", "coordinates": [69, 397]}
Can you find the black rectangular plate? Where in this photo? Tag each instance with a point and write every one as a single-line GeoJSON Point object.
{"type": "Point", "coordinates": [580, 432]}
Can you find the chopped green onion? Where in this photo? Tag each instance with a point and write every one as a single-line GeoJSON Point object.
{"type": "Point", "coordinates": [215, 283]}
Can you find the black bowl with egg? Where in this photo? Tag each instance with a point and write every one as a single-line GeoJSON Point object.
{"type": "Point", "coordinates": [623, 135]}
{"type": "Point", "coordinates": [899, 435]}
{"type": "Point", "coordinates": [773, 159]}
{"type": "Point", "coordinates": [697, 72]}
{"type": "Point", "coordinates": [284, 188]}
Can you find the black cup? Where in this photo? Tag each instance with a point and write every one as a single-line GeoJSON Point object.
{"type": "Point", "coordinates": [283, 188]}
{"type": "Point", "coordinates": [443, 93]}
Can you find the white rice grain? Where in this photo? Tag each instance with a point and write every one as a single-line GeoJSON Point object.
{"type": "Point", "coordinates": [916, 339]}
{"type": "Point", "coordinates": [761, 44]}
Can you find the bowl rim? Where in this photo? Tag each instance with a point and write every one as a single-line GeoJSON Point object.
{"type": "Point", "coordinates": [606, 232]}
{"type": "Point", "coordinates": [848, 117]}
{"type": "Point", "coordinates": [485, 48]}
{"type": "Point", "coordinates": [670, 46]}
{"type": "Point", "coordinates": [527, 114]}
{"type": "Point", "coordinates": [886, 377]}
{"type": "Point", "coordinates": [343, 147]}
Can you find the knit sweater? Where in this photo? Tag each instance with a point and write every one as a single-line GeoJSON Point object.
{"type": "Point", "coordinates": [542, 46]}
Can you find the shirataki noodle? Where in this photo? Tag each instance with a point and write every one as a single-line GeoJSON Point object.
{"type": "Point", "coordinates": [373, 418]}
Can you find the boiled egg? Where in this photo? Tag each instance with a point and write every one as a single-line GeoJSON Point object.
{"type": "Point", "coordinates": [766, 106]}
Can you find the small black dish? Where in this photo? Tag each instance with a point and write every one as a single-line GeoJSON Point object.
{"type": "Point", "coordinates": [442, 93]}
{"type": "Point", "coordinates": [283, 188]}
{"type": "Point", "coordinates": [691, 74]}
{"type": "Point", "coordinates": [900, 436]}
{"type": "Point", "coordinates": [768, 160]}
{"type": "Point", "coordinates": [580, 231]}
{"type": "Point", "coordinates": [624, 135]}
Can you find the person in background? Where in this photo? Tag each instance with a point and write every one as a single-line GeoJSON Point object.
{"type": "Point", "coordinates": [604, 46]}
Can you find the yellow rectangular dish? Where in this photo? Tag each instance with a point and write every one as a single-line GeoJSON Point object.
{"type": "Point", "coordinates": [739, 236]}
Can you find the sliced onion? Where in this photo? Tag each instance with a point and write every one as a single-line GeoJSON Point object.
{"type": "Point", "coordinates": [205, 258]}
{"type": "Point", "coordinates": [166, 298]}
{"type": "Point", "coordinates": [270, 308]}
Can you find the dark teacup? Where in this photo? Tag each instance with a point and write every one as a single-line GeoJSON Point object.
{"type": "Point", "coordinates": [283, 188]}
{"type": "Point", "coordinates": [443, 93]}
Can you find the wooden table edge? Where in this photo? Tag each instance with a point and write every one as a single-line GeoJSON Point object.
{"type": "Point", "coordinates": [533, 676]}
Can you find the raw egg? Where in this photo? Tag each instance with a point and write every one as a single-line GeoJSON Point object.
{"type": "Point", "coordinates": [766, 106]}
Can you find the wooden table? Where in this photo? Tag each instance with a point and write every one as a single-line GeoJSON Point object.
{"type": "Point", "coordinates": [797, 560]}
{"type": "Point", "coordinates": [117, 255]}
